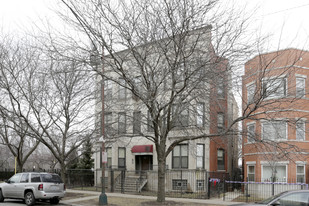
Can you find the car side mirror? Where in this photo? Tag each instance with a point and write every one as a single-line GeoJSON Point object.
{"type": "Point", "coordinates": [275, 203]}
{"type": "Point", "coordinates": [7, 181]}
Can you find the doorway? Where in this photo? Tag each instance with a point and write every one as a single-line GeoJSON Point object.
{"type": "Point", "coordinates": [143, 162]}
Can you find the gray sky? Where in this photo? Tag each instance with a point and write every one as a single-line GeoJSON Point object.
{"type": "Point", "coordinates": [286, 21]}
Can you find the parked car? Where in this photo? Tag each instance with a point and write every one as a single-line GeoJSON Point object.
{"type": "Point", "coordinates": [287, 198]}
{"type": "Point", "coordinates": [32, 186]}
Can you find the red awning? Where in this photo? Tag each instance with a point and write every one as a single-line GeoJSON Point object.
{"type": "Point", "coordinates": [142, 149]}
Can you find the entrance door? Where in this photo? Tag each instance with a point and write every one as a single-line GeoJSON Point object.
{"type": "Point", "coordinates": [143, 162]}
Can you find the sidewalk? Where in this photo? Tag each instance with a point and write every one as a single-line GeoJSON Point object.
{"type": "Point", "coordinates": [94, 195]}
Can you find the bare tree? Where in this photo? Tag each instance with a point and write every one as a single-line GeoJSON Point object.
{"type": "Point", "coordinates": [52, 97]}
{"type": "Point", "coordinates": [164, 54]}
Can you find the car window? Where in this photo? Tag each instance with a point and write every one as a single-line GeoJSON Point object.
{"type": "Point", "coordinates": [24, 178]}
{"type": "Point", "coordinates": [35, 178]}
{"type": "Point", "coordinates": [51, 178]}
{"type": "Point", "coordinates": [270, 199]}
{"type": "Point", "coordinates": [15, 178]}
{"type": "Point", "coordinates": [295, 199]}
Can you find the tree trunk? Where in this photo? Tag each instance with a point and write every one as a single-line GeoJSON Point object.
{"type": "Point", "coordinates": [161, 177]}
{"type": "Point", "coordinates": [62, 172]}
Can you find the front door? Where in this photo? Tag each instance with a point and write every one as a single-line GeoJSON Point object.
{"type": "Point", "coordinates": [143, 162]}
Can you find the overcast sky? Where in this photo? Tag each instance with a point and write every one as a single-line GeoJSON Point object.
{"type": "Point", "coordinates": [286, 21]}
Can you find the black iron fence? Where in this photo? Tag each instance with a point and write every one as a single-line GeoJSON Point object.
{"type": "Point", "coordinates": [178, 183]}
{"type": "Point", "coordinates": [253, 191]}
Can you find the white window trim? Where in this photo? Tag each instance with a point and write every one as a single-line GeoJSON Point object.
{"type": "Point", "coordinates": [276, 77]}
{"type": "Point", "coordinates": [304, 78]}
{"type": "Point", "coordinates": [301, 173]}
{"type": "Point", "coordinates": [249, 124]}
{"type": "Point", "coordinates": [279, 119]}
{"type": "Point", "coordinates": [304, 129]}
{"type": "Point", "coordinates": [268, 165]}
{"type": "Point", "coordinates": [301, 76]}
{"type": "Point", "coordinates": [248, 165]}
{"type": "Point", "coordinates": [251, 163]}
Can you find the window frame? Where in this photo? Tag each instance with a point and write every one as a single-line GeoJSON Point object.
{"type": "Point", "coordinates": [108, 89]}
{"type": "Point", "coordinates": [122, 91]}
{"type": "Point", "coordinates": [251, 173]}
{"type": "Point", "coordinates": [274, 94]}
{"type": "Point", "coordinates": [303, 130]}
{"type": "Point", "coordinates": [250, 96]}
{"type": "Point", "coordinates": [182, 157]}
{"type": "Point", "coordinates": [200, 156]}
{"type": "Point", "coordinates": [302, 90]}
{"type": "Point", "coordinates": [220, 123]}
{"type": "Point", "coordinates": [200, 114]}
{"type": "Point", "coordinates": [122, 126]}
{"type": "Point", "coordinates": [137, 123]}
{"type": "Point", "coordinates": [251, 140]}
{"type": "Point", "coordinates": [302, 174]}
{"type": "Point", "coordinates": [109, 152]}
{"type": "Point", "coordinates": [122, 158]}
{"type": "Point", "coordinates": [222, 160]}
{"type": "Point", "coordinates": [263, 179]}
{"type": "Point", "coordinates": [271, 122]}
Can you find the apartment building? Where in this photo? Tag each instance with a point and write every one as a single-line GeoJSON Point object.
{"type": "Point", "coordinates": [275, 142]}
{"type": "Point", "coordinates": [206, 106]}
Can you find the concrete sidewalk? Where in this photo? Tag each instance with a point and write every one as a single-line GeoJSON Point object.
{"type": "Point", "coordinates": [94, 195]}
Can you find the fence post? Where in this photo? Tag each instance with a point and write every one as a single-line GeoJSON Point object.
{"type": "Point", "coordinates": [247, 190]}
{"type": "Point", "coordinates": [224, 187]}
{"type": "Point", "coordinates": [122, 180]}
{"type": "Point", "coordinates": [273, 186]}
{"type": "Point", "coordinates": [208, 187]}
{"type": "Point", "coordinates": [181, 183]}
{"type": "Point", "coordinates": [112, 180]}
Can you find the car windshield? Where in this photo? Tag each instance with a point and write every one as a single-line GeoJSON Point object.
{"type": "Point", "coordinates": [51, 178]}
{"type": "Point", "coordinates": [268, 200]}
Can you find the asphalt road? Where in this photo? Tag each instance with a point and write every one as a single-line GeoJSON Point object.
{"type": "Point", "coordinates": [12, 202]}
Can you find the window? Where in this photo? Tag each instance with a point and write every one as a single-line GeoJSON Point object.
{"type": "Point", "coordinates": [200, 151]}
{"type": "Point", "coordinates": [200, 185]}
{"type": "Point", "coordinates": [149, 123]}
{"type": "Point", "coordinates": [24, 178]}
{"type": "Point", "coordinates": [108, 123]}
{"type": "Point", "coordinates": [274, 130]}
{"type": "Point", "coordinates": [122, 123]}
{"type": "Point", "coordinates": [220, 119]}
{"type": "Point", "coordinates": [108, 89]}
{"type": "Point", "coordinates": [300, 173]}
{"type": "Point", "coordinates": [300, 87]}
{"type": "Point", "coordinates": [180, 156]}
{"type": "Point", "coordinates": [250, 133]}
{"type": "Point", "coordinates": [180, 116]}
{"type": "Point", "coordinates": [274, 88]}
{"type": "Point", "coordinates": [109, 157]}
{"type": "Point", "coordinates": [138, 86]}
{"type": "Point", "coordinates": [279, 173]}
{"type": "Point", "coordinates": [179, 184]}
{"type": "Point", "coordinates": [35, 178]}
{"type": "Point", "coordinates": [250, 93]}
{"type": "Point", "coordinates": [294, 199]}
{"type": "Point", "coordinates": [121, 157]}
{"type": "Point", "coordinates": [15, 178]}
{"type": "Point", "coordinates": [122, 90]}
{"type": "Point", "coordinates": [137, 122]}
{"type": "Point", "coordinates": [251, 173]}
{"type": "Point", "coordinates": [221, 159]}
{"type": "Point", "coordinates": [220, 88]}
{"type": "Point", "coordinates": [300, 130]}
{"type": "Point", "coordinates": [200, 120]}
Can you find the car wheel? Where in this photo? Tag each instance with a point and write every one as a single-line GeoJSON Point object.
{"type": "Point", "coordinates": [1, 196]}
{"type": "Point", "coordinates": [54, 201]}
{"type": "Point", "coordinates": [29, 198]}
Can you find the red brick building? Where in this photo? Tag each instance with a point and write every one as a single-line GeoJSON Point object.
{"type": "Point", "coordinates": [275, 142]}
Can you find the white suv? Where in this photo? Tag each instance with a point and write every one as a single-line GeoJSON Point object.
{"type": "Point", "coordinates": [32, 186]}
